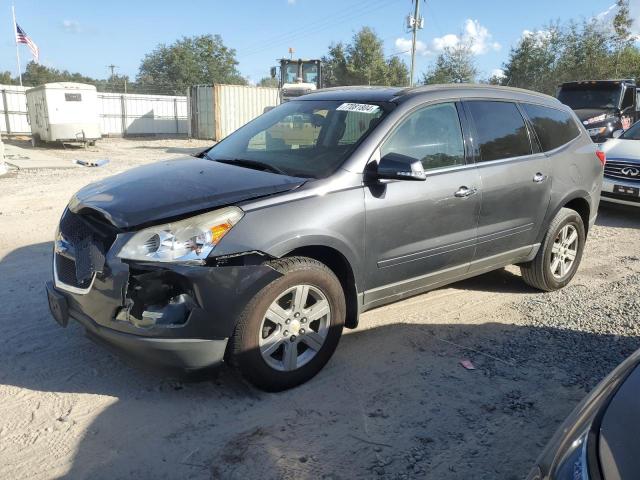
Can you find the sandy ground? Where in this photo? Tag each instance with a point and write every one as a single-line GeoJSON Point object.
{"type": "Point", "coordinates": [393, 402]}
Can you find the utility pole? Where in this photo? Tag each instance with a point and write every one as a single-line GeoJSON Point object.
{"type": "Point", "coordinates": [415, 22]}
{"type": "Point", "coordinates": [112, 67]}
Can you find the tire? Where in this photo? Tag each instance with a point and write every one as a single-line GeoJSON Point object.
{"type": "Point", "coordinates": [542, 273]}
{"type": "Point", "coordinates": [271, 329]}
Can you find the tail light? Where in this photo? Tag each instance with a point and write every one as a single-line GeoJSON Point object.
{"type": "Point", "coordinates": [601, 156]}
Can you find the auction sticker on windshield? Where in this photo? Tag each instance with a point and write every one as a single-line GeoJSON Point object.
{"type": "Point", "coordinates": [358, 107]}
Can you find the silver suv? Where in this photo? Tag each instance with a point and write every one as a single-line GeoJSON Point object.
{"type": "Point", "coordinates": [260, 250]}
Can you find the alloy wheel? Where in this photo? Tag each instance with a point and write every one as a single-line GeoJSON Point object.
{"type": "Point", "coordinates": [564, 251]}
{"type": "Point", "coordinates": [295, 327]}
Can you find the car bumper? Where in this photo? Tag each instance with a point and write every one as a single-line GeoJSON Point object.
{"type": "Point", "coordinates": [171, 315]}
{"type": "Point", "coordinates": [188, 354]}
{"type": "Point", "coordinates": [609, 196]}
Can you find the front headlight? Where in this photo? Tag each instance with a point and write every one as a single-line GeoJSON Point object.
{"type": "Point", "coordinates": [573, 465]}
{"type": "Point", "coordinates": [188, 240]}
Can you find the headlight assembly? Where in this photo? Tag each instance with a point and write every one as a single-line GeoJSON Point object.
{"type": "Point", "coordinates": [188, 240]}
{"type": "Point", "coordinates": [573, 465]}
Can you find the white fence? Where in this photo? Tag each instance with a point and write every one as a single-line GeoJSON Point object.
{"type": "Point", "coordinates": [120, 114]}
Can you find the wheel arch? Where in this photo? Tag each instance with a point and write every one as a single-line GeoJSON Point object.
{"type": "Point", "coordinates": [342, 268]}
{"type": "Point", "coordinates": [580, 201]}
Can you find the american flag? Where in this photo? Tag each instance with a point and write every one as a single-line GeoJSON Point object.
{"type": "Point", "coordinates": [22, 37]}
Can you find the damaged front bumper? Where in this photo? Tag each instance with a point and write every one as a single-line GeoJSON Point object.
{"type": "Point", "coordinates": [174, 315]}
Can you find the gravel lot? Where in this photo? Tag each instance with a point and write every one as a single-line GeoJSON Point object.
{"type": "Point", "coordinates": [394, 401]}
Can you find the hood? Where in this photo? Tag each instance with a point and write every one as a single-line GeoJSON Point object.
{"type": "Point", "coordinates": [587, 113]}
{"type": "Point", "coordinates": [619, 148]}
{"type": "Point", "coordinates": [173, 188]}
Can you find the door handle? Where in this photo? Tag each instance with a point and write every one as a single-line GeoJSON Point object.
{"type": "Point", "coordinates": [539, 177]}
{"type": "Point", "coordinates": [464, 192]}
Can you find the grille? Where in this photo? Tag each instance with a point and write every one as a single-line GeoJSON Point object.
{"type": "Point", "coordinates": [66, 270]}
{"type": "Point", "coordinates": [623, 170]}
{"type": "Point", "coordinates": [90, 238]}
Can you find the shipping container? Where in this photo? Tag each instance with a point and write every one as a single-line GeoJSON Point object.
{"type": "Point", "coordinates": [215, 111]}
{"type": "Point", "coordinates": [63, 112]}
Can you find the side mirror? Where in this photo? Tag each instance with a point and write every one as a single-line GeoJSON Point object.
{"type": "Point", "coordinates": [394, 166]}
{"type": "Point", "coordinates": [274, 71]}
{"type": "Point", "coordinates": [617, 133]}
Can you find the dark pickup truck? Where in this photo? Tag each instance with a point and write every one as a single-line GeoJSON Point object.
{"type": "Point", "coordinates": [603, 106]}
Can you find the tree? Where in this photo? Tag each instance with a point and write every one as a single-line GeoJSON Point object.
{"type": "Point", "coordinates": [190, 61]}
{"type": "Point", "coordinates": [5, 78]}
{"type": "Point", "coordinates": [586, 50]}
{"type": "Point", "coordinates": [362, 62]}
{"type": "Point", "coordinates": [268, 82]}
{"type": "Point", "coordinates": [455, 64]}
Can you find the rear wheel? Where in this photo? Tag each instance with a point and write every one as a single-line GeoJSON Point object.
{"type": "Point", "coordinates": [288, 332]}
{"type": "Point", "coordinates": [559, 256]}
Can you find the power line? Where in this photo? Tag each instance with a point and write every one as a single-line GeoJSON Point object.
{"type": "Point", "coordinates": [318, 26]}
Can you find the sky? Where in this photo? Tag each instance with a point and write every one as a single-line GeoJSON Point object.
{"type": "Point", "coordinates": [87, 36]}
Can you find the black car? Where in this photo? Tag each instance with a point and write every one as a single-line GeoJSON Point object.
{"type": "Point", "coordinates": [262, 249]}
{"type": "Point", "coordinates": [603, 106]}
{"type": "Point", "coordinates": [600, 440]}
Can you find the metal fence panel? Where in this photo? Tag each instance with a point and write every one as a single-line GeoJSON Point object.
{"type": "Point", "coordinates": [143, 114]}
{"type": "Point", "coordinates": [13, 104]}
{"type": "Point", "coordinates": [120, 113]}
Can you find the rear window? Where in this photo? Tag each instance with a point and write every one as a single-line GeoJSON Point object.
{"type": "Point", "coordinates": [553, 127]}
{"type": "Point", "coordinates": [501, 131]}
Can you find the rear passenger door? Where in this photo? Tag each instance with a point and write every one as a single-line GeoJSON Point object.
{"type": "Point", "coordinates": [515, 179]}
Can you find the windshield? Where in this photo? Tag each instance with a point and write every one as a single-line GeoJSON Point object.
{"type": "Point", "coordinates": [291, 73]}
{"type": "Point", "coordinates": [591, 96]}
{"type": "Point", "coordinates": [633, 133]}
{"type": "Point", "coordinates": [302, 138]}
{"type": "Point", "coordinates": [309, 72]}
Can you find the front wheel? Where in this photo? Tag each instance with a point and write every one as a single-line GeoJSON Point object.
{"type": "Point", "coordinates": [290, 330]}
{"type": "Point", "coordinates": [560, 253]}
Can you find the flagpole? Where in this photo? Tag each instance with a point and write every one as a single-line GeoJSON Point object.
{"type": "Point", "coordinates": [15, 38]}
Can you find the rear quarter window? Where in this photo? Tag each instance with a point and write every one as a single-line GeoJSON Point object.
{"type": "Point", "coordinates": [501, 131]}
{"type": "Point", "coordinates": [553, 127]}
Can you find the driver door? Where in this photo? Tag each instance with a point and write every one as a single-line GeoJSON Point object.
{"type": "Point", "coordinates": [420, 233]}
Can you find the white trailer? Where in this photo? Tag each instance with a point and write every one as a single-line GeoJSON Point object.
{"type": "Point", "coordinates": [63, 112]}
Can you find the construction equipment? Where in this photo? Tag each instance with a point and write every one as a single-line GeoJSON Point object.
{"type": "Point", "coordinates": [297, 77]}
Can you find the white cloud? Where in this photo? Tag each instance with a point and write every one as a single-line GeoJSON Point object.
{"type": "Point", "coordinates": [449, 40]}
{"type": "Point", "coordinates": [497, 73]}
{"type": "Point", "coordinates": [71, 26]}
{"type": "Point", "coordinates": [476, 35]}
{"type": "Point", "coordinates": [292, 2]}
{"type": "Point", "coordinates": [404, 45]}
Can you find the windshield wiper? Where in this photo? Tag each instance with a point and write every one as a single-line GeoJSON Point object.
{"type": "Point", "coordinates": [255, 164]}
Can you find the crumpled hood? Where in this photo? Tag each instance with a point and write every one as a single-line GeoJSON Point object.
{"type": "Point", "coordinates": [587, 113]}
{"type": "Point", "coordinates": [173, 188]}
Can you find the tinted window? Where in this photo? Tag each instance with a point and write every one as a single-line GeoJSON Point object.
{"type": "Point", "coordinates": [431, 135]}
{"type": "Point", "coordinates": [501, 132]}
{"type": "Point", "coordinates": [553, 127]}
{"type": "Point", "coordinates": [627, 100]}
